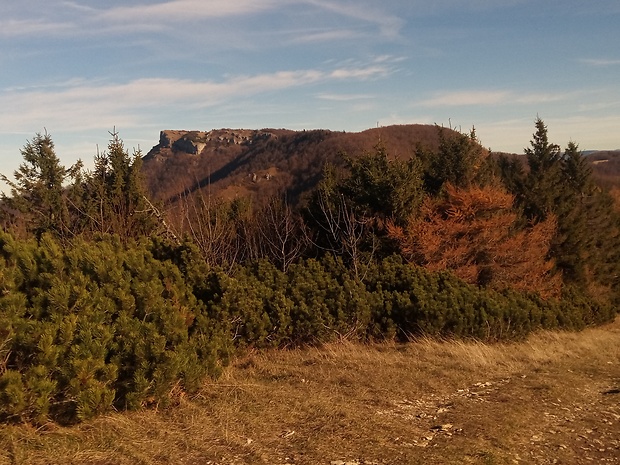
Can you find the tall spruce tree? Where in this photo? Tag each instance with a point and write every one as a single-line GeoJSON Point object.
{"type": "Point", "coordinates": [572, 239]}
{"type": "Point", "coordinates": [586, 244]}
{"type": "Point", "coordinates": [114, 196]}
{"type": "Point", "coordinates": [37, 192]}
{"type": "Point", "coordinates": [558, 183]}
{"type": "Point", "coordinates": [576, 170]}
{"type": "Point", "coordinates": [543, 182]}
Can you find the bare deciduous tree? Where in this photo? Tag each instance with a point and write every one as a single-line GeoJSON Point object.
{"type": "Point", "coordinates": [282, 232]}
{"type": "Point", "coordinates": [343, 230]}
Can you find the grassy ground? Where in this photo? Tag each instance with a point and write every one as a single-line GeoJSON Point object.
{"type": "Point", "coordinates": [554, 398]}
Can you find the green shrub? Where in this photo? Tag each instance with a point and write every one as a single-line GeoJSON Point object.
{"type": "Point", "coordinates": [313, 302]}
{"type": "Point", "coordinates": [102, 325]}
{"type": "Point", "coordinates": [416, 301]}
{"type": "Point", "coordinates": [96, 326]}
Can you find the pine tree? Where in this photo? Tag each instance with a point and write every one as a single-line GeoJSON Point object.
{"type": "Point", "coordinates": [572, 240]}
{"type": "Point", "coordinates": [555, 185]}
{"type": "Point", "coordinates": [349, 212]}
{"type": "Point", "coordinates": [602, 252]}
{"type": "Point", "coordinates": [337, 228]}
{"type": "Point", "coordinates": [586, 245]}
{"type": "Point", "coordinates": [576, 171]}
{"type": "Point", "coordinates": [511, 171]}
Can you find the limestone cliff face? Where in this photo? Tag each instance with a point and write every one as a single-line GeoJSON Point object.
{"type": "Point", "coordinates": [194, 142]}
{"type": "Point", "coordinates": [167, 137]}
{"type": "Point", "coordinates": [181, 141]}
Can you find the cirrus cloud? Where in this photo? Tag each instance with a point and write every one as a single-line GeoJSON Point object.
{"type": "Point", "coordinates": [489, 98]}
{"type": "Point", "coordinates": [81, 105]}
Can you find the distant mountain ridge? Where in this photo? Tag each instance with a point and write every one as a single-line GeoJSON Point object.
{"type": "Point", "coordinates": [258, 163]}
{"type": "Point", "coordinates": [588, 153]}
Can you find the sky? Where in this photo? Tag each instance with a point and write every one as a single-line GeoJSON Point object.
{"type": "Point", "coordinates": [80, 69]}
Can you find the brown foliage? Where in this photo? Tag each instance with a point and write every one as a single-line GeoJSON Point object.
{"type": "Point", "coordinates": [474, 233]}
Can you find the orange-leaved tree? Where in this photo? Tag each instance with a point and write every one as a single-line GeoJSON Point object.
{"type": "Point", "coordinates": [476, 233]}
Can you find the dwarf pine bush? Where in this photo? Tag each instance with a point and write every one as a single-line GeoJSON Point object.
{"type": "Point", "coordinates": [102, 325]}
{"type": "Point", "coordinates": [96, 326]}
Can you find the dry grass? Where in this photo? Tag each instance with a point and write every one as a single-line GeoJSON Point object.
{"type": "Point", "coordinates": [552, 397]}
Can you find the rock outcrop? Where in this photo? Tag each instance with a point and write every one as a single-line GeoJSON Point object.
{"type": "Point", "coordinates": [194, 142]}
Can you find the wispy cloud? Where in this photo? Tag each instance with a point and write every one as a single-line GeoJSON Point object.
{"type": "Point", "coordinates": [466, 98]}
{"type": "Point", "coordinates": [306, 37]}
{"type": "Point", "coordinates": [344, 97]}
{"type": "Point", "coordinates": [176, 10]}
{"type": "Point", "coordinates": [29, 27]}
{"type": "Point", "coordinates": [489, 98]}
{"type": "Point", "coordinates": [598, 106]}
{"type": "Point", "coordinates": [389, 24]}
{"type": "Point", "coordinates": [132, 17]}
{"type": "Point", "coordinates": [600, 62]}
{"type": "Point", "coordinates": [79, 18]}
{"type": "Point", "coordinates": [80, 105]}
{"type": "Point", "coordinates": [360, 73]}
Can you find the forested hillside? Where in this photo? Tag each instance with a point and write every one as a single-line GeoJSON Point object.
{"type": "Point", "coordinates": [238, 163]}
{"type": "Point", "coordinates": [126, 286]}
{"type": "Point", "coordinates": [606, 167]}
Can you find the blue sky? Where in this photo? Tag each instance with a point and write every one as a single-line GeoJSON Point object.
{"type": "Point", "coordinates": [80, 68]}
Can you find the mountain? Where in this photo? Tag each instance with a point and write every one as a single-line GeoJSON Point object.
{"type": "Point", "coordinates": [260, 163]}
{"type": "Point", "coordinates": [232, 163]}
{"type": "Point", "coordinates": [605, 167]}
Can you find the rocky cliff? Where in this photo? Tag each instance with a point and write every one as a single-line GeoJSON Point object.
{"type": "Point", "coordinates": [194, 142]}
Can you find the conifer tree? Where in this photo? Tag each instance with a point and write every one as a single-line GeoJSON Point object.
{"type": "Point", "coordinates": [114, 196]}
{"type": "Point", "coordinates": [576, 171]}
{"type": "Point", "coordinates": [384, 188]}
{"type": "Point", "coordinates": [460, 161]}
{"type": "Point", "coordinates": [560, 184]}
{"type": "Point", "coordinates": [601, 247]}
{"type": "Point", "coordinates": [543, 184]}
{"type": "Point", "coordinates": [512, 174]}
{"type": "Point", "coordinates": [349, 212]}
{"type": "Point", "coordinates": [573, 238]}
{"type": "Point", "coordinates": [557, 184]}
{"type": "Point", "coordinates": [338, 228]}
{"type": "Point", "coordinates": [475, 234]}
{"type": "Point", "coordinates": [37, 191]}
